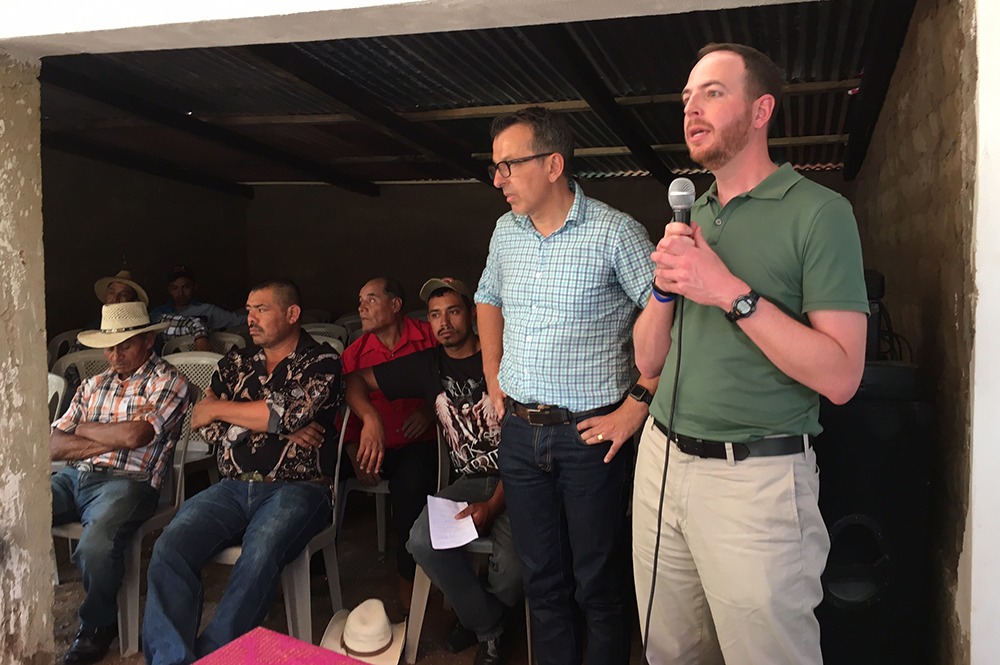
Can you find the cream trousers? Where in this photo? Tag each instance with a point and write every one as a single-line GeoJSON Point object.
{"type": "Point", "coordinates": [741, 552]}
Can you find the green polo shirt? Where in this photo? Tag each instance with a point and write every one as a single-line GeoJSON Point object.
{"type": "Point", "coordinates": [796, 244]}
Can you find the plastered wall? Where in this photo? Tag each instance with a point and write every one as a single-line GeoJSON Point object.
{"type": "Point", "coordinates": [25, 500]}
{"type": "Point", "coordinates": [913, 199]}
{"type": "Point", "coordinates": [97, 214]}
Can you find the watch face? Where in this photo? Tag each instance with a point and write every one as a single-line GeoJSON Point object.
{"type": "Point", "coordinates": [743, 307]}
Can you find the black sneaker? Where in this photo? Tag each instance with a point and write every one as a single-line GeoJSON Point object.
{"type": "Point", "coordinates": [91, 645]}
{"type": "Point", "coordinates": [489, 653]}
{"type": "Point", "coordinates": [459, 638]}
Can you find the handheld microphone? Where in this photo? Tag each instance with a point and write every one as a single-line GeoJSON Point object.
{"type": "Point", "coordinates": [681, 197]}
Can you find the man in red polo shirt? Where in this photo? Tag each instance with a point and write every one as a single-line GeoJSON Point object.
{"type": "Point", "coordinates": [409, 460]}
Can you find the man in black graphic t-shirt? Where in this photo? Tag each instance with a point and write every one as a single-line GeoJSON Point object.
{"type": "Point", "coordinates": [450, 377]}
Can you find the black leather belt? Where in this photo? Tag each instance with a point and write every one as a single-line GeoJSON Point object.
{"type": "Point", "coordinates": [769, 447]}
{"type": "Point", "coordinates": [544, 414]}
{"type": "Point", "coordinates": [138, 476]}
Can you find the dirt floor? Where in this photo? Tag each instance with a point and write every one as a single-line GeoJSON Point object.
{"type": "Point", "coordinates": [363, 575]}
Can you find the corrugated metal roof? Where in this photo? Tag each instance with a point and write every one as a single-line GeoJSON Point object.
{"type": "Point", "coordinates": [810, 42]}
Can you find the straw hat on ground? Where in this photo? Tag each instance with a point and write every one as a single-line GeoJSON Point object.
{"type": "Point", "coordinates": [125, 277]}
{"type": "Point", "coordinates": [119, 322]}
{"type": "Point", "coordinates": [365, 634]}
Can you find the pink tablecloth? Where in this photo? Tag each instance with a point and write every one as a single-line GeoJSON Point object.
{"type": "Point", "coordinates": [265, 647]}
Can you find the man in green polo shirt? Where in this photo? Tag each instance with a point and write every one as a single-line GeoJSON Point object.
{"type": "Point", "coordinates": [770, 282]}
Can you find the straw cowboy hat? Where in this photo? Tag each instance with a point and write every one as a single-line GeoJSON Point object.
{"type": "Point", "coordinates": [125, 277]}
{"type": "Point", "coordinates": [365, 634]}
{"type": "Point", "coordinates": [119, 322]}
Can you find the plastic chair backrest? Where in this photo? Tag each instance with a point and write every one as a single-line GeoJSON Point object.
{"type": "Point", "coordinates": [57, 388]}
{"type": "Point", "coordinates": [345, 413]}
{"type": "Point", "coordinates": [180, 344]}
{"type": "Point", "coordinates": [351, 321]}
{"type": "Point", "coordinates": [62, 343]}
{"type": "Point", "coordinates": [335, 342]}
{"type": "Point", "coordinates": [180, 452]}
{"type": "Point", "coordinates": [316, 316]}
{"type": "Point", "coordinates": [326, 329]}
{"type": "Point", "coordinates": [222, 342]}
{"type": "Point", "coordinates": [88, 363]}
{"type": "Point", "coordinates": [198, 368]}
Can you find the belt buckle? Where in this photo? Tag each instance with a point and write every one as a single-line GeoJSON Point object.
{"type": "Point", "coordinates": [540, 411]}
{"type": "Point", "coordinates": [252, 477]}
{"type": "Point", "coordinates": [83, 466]}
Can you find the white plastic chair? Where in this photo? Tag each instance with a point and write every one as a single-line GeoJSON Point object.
{"type": "Point", "coordinates": [223, 342]}
{"type": "Point", "coordinates": [181, 344]}
{"type": "Point", "coordinates": [57, 389]}
{"type": "Point", "coordinates": [170, 503]}
{"type": "Point", "coordinates": [315, 316]}
{"type": "Point", "coordinates": [327, 330]}
{"type": "Point", "coordinates": [198, 368]}
{"type": "Point", "coordinates": [418, 604]}
{"type": "Point", "coordinates": [88, 363]}
{"type": "Point", "coordinates": [61, 344]}
{"type": "Point", "coordinates": [295, 576]}
{"type": "Point", "coordinates": [351, 321]}
{"type": "Point", "coordinates": [335, 342]}
{"type": "Point", "coordinates": [381, 491]}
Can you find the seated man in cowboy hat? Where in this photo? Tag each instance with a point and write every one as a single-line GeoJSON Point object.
{"type": "Point", "coordinates": [451, 377]}
{"type": "Point", "coordinates": [118, 436]}
{"type": "Point", "coordinates": [270, 409]}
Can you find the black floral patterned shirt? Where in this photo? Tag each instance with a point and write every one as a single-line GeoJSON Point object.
{"type": "Point", "coordinates": [305, 386]}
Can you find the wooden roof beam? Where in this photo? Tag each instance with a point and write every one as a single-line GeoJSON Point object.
{"type": "Point", "coordinates": [357, 102]}
{"type": "Point", "coordinates": [139, 162]}
{"type": "Point", "coordinates": [566, 56]}
{"type": "Point", "coordinates": [60, 77]}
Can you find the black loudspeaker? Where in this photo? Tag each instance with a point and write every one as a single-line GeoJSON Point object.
{"type": "Point", "coordinates": [874, 461]}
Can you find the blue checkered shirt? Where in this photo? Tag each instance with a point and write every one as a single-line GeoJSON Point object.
{"type": "Point", "coordinates": [568, 303]}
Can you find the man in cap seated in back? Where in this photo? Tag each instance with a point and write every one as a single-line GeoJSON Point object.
{"type": "Point", "coordinates": [118, 437]}
{"type": "Point", "coordinates": [181, 285]}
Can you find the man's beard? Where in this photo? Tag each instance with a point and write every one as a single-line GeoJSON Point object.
{"type": "Point", "coordinates": [730, 140]}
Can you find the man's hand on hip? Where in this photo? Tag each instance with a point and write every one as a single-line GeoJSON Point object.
{"type": "Point", "coordinates": [616, 427]}
{"type": "Point", "coordinates": [497, 396]}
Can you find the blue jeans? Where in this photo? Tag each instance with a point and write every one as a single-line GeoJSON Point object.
{"type": "Point", "coordinates": [480, 607]}
{"type": "Point", "coordinates": [273, 522]}
{"type": "Point", "coordinates": [567, 510]}
{"type": "Point", "coordinates": [111, 509]}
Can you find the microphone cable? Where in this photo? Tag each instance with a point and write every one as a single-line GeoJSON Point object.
{"type": "Point", "coordinates": [679, 322]}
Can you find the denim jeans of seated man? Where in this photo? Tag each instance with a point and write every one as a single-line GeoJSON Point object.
{"type": "Point", "coordinates": [567, 510]}
{"type": "Point", "coordinates": [480, 607]}
{"type": "Point", "coordinates": [111, 509]}
{"type": "Point", "coordinates": [272, 521]}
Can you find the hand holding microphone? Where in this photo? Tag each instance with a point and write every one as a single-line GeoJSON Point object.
{"type": "Point", "coordinates": [681, 198]}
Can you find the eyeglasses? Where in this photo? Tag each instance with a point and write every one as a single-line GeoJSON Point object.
{"type": "Point", "coordinates": [504, 167]}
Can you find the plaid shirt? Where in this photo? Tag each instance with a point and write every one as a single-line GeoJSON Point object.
{"type": "Point", "coordinates": [106, 398]}
{"type": "Point", "coordinates": [307, 385]}
{"type": "Point", "coordinates": [180, 325]}
{"type": "Point", "coordinates": [568, 303]}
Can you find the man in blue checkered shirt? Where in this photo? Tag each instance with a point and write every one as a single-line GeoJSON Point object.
{"type": "Point", "coordinates": [564, 280]}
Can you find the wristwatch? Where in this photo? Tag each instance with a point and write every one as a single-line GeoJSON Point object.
{"type": "Point", "coordinates": [743, 306]}
{"type": "Point", "coordinates": [640, 393]}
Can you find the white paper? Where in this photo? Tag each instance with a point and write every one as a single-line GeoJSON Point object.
{"type": "Point", "coordinates": [446, 531]}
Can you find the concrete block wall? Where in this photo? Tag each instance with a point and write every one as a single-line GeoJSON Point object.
{"type": "Point", "coordinates": [913, 200]}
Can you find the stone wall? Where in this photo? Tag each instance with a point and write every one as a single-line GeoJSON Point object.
{"type": "Point", "coordinates": [25, 500]}
{"type": "Point", "coordinates": [98, 216]}
{"type": "Point", "coordinates": [913, 199]}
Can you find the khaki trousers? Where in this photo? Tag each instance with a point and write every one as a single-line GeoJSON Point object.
{"type": "Point", "coordinates": [741, 552]}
